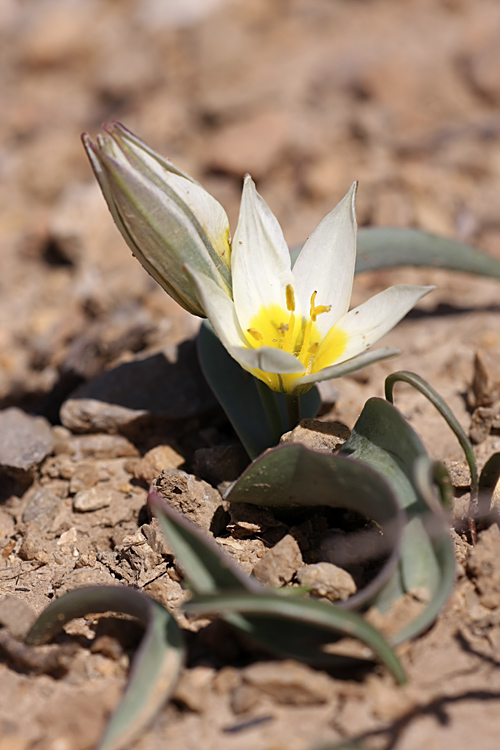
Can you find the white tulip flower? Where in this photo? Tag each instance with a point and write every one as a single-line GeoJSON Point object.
{"type": "Point", "coordinates": [288, 327]}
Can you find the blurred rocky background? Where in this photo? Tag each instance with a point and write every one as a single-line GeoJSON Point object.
{"type": "Point", "coordinates": [307, 95]}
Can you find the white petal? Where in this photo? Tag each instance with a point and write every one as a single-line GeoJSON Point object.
{"type": "Point", "coordinates": [260, 261]}
{"type": "Point", "coordinates": [366, 324]}
{"type": "Point", "coordinates": [208, 211]}
{"type": "Point", "coordinates": [219, 309]}
{"type": "Point", "coordinates": [205, 209]}
{"type": "Point", "coordinates": [326, 263]}
{"type": "Point", "coordinates": [356, 363]}
{"type": "Point", "coordinates": [268, 359]}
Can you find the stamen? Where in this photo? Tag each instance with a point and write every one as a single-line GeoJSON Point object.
{"type": "Point", "coordinates": [290, 298]}
{"type": "Point", "coordinates": [311, 312]}
{"type": "Point", "coordinates": [311, 353]}
{"type": "Point", "coordinates": [258, 336]}
{"type": "Point", "coordinates": [317, 309]}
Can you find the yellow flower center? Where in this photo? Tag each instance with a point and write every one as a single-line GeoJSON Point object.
{"type": "Point", "coordinates": [282, 329]}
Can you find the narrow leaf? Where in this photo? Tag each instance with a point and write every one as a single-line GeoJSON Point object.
{"type": "Point", "coordinates": [382, 438]}
{"type": "Point", "coordinates": [442, 561]}
{"type": "Point", "coordinates": [419, 567]}
{"type": "Point", "coordinates": [388, 247]}
{"type": "Point", "coordinates": [293, 476]}
{"type": "Point", "coordinates": [153, 677]}
{"type": "Point", "coordinates": [209, 570]}
{"type": "Point", "coordinates": [207, 567]}
{"type": "Point", "coordinates": [155, 667]}
{"type": "Point", "coordinates": [308, 611]}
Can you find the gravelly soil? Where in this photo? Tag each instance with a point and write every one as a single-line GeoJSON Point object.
{"type": "Point", "coordinates": [307, 95]}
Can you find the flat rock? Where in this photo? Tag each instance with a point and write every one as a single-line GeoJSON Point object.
{"type": "Point", "coordinates": [279, 564]}
{"type": "Point", "coordinates": [317, 435]}
{"type": "Point", "coordinates": [24, 441]}
{"type": "Point", "coordinates": [147, 392]}
{"type": "Point", "coordinates": [92, 446]}
{"type": "Point", "coordinates": [94, 498]}
{"type": "Point", "coordinates": [328, 580]}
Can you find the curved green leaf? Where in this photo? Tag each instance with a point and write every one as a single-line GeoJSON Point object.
{"type": "Point", "coordinates": [384, 440]}
{"type": "Point", "coordinates": [258, 414]}
{"type": "Point", "coordinates": [442, 561]}
{"type": "Point", "coordinates": [206, 566]}
{"type": "Point", "coordinates": [388, 247]}
{"type": "Point", "coordinates": [155, 667]}
{"type": "Point", "coordinates": [307, 611]}
{"type": "Point", "coordinates": [293, 476]}
{"type": "Point", "coordinates": [210, 571]}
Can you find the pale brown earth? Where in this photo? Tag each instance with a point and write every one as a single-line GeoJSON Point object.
{"type": "Point", "coordinates": [307, 95]}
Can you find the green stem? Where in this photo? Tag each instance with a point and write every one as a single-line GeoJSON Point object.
{"type": "Point", "coordinates": [271, 410]}
{"type": "Point", "coordinates": [293, 410]}
{"type": "Point", "coordinates": [426, 389]}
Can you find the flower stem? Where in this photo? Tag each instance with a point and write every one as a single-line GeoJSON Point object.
{"type": "Point", "coordinates": [271, 410]}
{"type": "Point", "coordinates": [293, 409]}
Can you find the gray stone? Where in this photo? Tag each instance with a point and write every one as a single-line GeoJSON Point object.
{"type": "Point", "coordinates": [147, 392]}
{"type": "Point", "coordinates": [41, 507]}
{"type": "Point", "coordinates": [24, 441]}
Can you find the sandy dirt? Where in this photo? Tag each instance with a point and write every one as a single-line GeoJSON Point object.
{"type": "Point", "coordinates": [99, 386]}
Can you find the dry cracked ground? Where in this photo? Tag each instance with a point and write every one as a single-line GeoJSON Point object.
{"type": "Point", "coordinates": [100, 391]}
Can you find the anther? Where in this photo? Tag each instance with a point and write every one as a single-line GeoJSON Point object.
{"type": "Point", "coordinates": [255, 333]}
{"type": "Point", "coordinates": [317, 309]}
{"type": "Point", "coordinates": [290, 298]}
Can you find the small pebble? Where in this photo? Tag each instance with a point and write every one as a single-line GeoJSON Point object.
{"type": "Point", "coordinates": [94, 498]}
